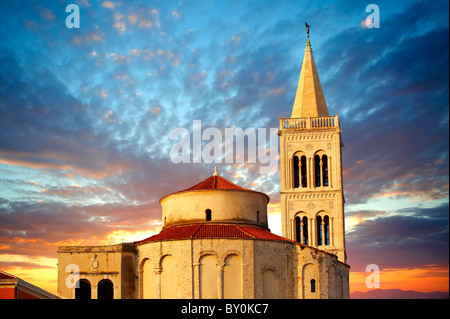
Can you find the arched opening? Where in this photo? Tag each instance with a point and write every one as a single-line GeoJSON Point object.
{"type": "Point", "coordinates": [232, 277]}
{"type": "Point", "coordinates": [105, 289]}
{"type": "Point", "coordinates": [83, 289]}
{"type": "Point", "coordinates": [208, 277]}
{"type": "Point", "coordinates": [326, 226]}
{"type": "Point", "coordinates": [332, 282]}
{"type": "Point", "coordinates": [313, 285]}
{"type": "Point", "coordinates": [169, 277]}
{"type": "Point", "coordinates": [319, 230]}
{"type": "Point", "coordinates": [317, 171]}
{"type": "Point", "coordinates": [298, 230]}
{"type": "Point", "coordinates": [325, 170]}
{"type": "Point", "coordinates": [303, 171]}
{"type": "Point", "coordinates": [296, 172]}
{"type": "Point", "coordinates": [208, 215]}
{"type": "Point", "coordinates": [257, 217]}
{"type": "Point", "coordinates": [305, 230]}
{"type": "Point", "coordinates": [269, 284]}
{"type": "Point", "coordinates": [299, 171]}
{"type": "Point", "coordinates": [301, 229]}
{"type": "Point", "coordinates": [309, 285]}
{"type": "Point", "coordinates": [149, 288]}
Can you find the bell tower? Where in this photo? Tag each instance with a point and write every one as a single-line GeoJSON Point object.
{"type": "Point", "coordinates": [312, 196]}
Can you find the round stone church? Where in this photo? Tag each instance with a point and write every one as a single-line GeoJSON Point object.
{"type": "Point", "coordinates": [214, 243]}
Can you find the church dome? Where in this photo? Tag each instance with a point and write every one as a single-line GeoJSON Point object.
{"type": "Point", "coordinates": [215, 200]}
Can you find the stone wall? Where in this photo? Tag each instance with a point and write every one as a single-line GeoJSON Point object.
{"type": "Point", "coordinates": [266, 268]}
{"type": "Point", "coordinates": [95, 263]}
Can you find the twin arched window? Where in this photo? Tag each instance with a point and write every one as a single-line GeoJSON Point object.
{"type": "Point", "coordinates": [105, 289]}
{"type": "Point", "coordinates": [300, 175]}
{"type": "Point", "coordinates": [320, 171]}
{"type": "Point", "coordinates": [301, 225]}
{"type": "Point", "coordinates": [322, 230]}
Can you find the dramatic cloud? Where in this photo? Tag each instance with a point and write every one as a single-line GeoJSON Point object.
{"type": "Point", "coordinates": [409, 238]}
{"type": "Point", "coordinates": [86, 116]}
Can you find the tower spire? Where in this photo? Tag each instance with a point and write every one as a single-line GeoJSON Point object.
{"type": "Point", "coordinates": [309, 99]}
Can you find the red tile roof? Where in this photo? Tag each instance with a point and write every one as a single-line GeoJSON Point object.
{"type": "Point", "coordinates": [214, 182]}
{"type": "Point", "coordinates": [200, 231]}
{"type": "Point", "coordinates": [5, 275]}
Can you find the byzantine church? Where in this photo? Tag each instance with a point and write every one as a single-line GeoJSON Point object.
{"type": "Point", "coordinates": [215, 242]}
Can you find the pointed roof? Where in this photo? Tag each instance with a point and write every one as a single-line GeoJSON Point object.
{"type": "Point", "coordinates": [214, 182]}
{"type": "Point", "coordinates": [309, 100]}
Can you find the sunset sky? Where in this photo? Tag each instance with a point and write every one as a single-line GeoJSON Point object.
{"type": "Point", "coordinates": [86, 116]}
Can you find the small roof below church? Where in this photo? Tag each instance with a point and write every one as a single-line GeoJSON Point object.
{"type": "Point", "coordinates": [202, 231]}
{"type": "Point", "coordinates": [5, 275]}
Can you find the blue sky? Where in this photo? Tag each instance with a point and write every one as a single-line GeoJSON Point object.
{"type": "Point", "coordinates": [86, 115]}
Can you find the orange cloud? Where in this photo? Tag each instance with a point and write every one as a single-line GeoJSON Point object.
{"type": "Point", "coordinates": [108, 4]}
{"type": "Point", "coordinates": [64, 162]}
{"type": "Point", "coordinates": [432, 278]}
{"type": "Point", "coordinates": [35, 165]}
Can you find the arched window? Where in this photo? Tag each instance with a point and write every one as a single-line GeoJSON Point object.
{"type": "Point", "coordinates": [296, 172]}
{"type": "Point", "coordinates": [319, 230]}
{"type": "Point", "coordinates": [208, 215]}
{"type": "Point", "coordinates": [325, 170]}
{"type": "Point", "coordinates": [208, 277]}
{"type": "Point", "coordinates": [305, 230]}
{"type": "Point", "coordinates": [105, 289]}
{"type": "Point", "coordinates": [301, 230]}
{"type": "Point", "coordinates": [269, 284]}
{"type": "Point", "coordinates": [298, 230]}
{"type": "Point", "coordinates": [169, 277]}
{"type": "Point", "coordinates": [317, 170]}
{"type": "Point", "coordinates": [300, 176]}
{"type": "Point", "coordinates": [313, 285]}
{"type": "Point", "coordinates": [321, 170]}
{"type": "Point", "coordinates": [83, 289]}
{"type": "Point", "coordinates": [232, 277]}
{"type": "Point", "coordinates": [303, 171]}
{"type": "Point", "coordinates": [257, 217]}
{"type": "Point", "coordinates": [326, 226]}
{"type": "Point", "coordinates": [149, 285]}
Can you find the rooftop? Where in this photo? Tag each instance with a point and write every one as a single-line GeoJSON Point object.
{"type": "Point", "coordinates": [214, 182]}
{"type": "Point", "coordinates": [202, 231]}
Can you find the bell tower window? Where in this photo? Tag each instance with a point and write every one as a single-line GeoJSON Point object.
{"type": "Point", "coordinates": [326, 226]}
{"type": "Point", "coordinates": [298, 232]}
{"type": "Point", "coordinates": [296, 172]}
{"type": "Point", "coordinates": [321, 170]}
{"type": "Point", "coordinates": [303, 171]}
{"type": "Point", "coordinates": [319, 230]}
{"type": "Point", "coordinates": [317, 170]}
{"type": "Point", "coordinates": [325, 170]}
{"type": "Point", "coordinates": [300, 177]}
